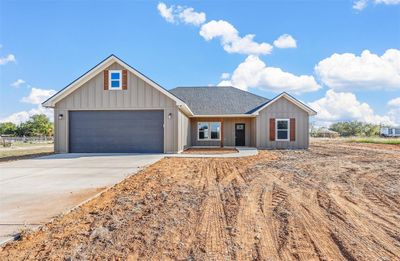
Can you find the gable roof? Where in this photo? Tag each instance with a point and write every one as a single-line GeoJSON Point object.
{"type": "Point", "coordinates": [198, 101]}
{"type": "Point", "coordinates": [290, 98]}
{"type": "Point", "coordinates": [98, 69]}
{"type": "Point", "coordinates": [216, 100]}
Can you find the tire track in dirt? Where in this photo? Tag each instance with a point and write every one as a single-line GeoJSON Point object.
{"type": "Point", "coordinates": [213, 241]}
{"type": "Point", "coordinates": [326, 203]}
{"type": "Point", "coordinates": [304, 242]}
{"type": "Point", "coordinates": [253, 238]}
{"type": "Point", "coordinates": [262, 224]}
{"type": "Point", "coordinates": [376, 232]}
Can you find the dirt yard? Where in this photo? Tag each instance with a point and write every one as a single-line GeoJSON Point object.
{"type": "Point", "coordinates": [333, 202]}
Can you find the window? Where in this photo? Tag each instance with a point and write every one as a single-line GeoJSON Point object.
{"type": "Point", "coordinates": [209, 130]}
{"type": "Point", "coordinates": [115, 78]}
{"type": "Point", "coordinates": [282, 129]}
{"type": "Point", "coordinates": [203, 130]}
{"type": "Point", "coordinates": [215, 130]}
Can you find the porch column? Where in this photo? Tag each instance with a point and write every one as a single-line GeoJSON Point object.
{"type": "Point", "coordinates": [222, 132]}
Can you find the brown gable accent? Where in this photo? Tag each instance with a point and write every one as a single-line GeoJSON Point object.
{"type": "Point", "coordinates": [292, 129]}
{"type": "Point", "coordinates": [124, 79]}
{"type": "Point", "coordinates": [272, 129]}
{"type": "Point", "coordinates": [105, 79]}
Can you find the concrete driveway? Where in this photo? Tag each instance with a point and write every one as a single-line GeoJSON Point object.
{"type": "Point", "coordinates": [34, 191]}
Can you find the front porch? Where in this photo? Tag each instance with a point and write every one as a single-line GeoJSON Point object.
{"type": "Point", "coordinates": [223, 132]}
{"type": "Point", "coordinates": [217, 152]}
{"type": "Point", "coordinates": [210, 150]}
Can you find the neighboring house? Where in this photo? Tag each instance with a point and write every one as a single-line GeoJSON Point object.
{"type": "Point", "coordinates": [115, 108]}
{"type": "Point", "coordinates": [324, 133]}
{"type": "Point", "coordinates": [390, 132]}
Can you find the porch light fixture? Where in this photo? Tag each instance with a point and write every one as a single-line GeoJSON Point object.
{"type": "Point", "coordinates": [60, 116]}
{"type": "Point", "coordinates": [169, 115]}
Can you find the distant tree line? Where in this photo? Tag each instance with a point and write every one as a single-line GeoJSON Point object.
{"type": "Point", "coordinates": [355, 128]}
{"type": "Point", "coordinates": [37, 125]}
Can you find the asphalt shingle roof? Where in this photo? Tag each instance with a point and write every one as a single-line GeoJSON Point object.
{"type": "Point", "coordinates": [218, 100]}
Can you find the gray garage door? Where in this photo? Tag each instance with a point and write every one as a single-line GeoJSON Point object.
{"type": "Point", "coordinates": [116, 131]}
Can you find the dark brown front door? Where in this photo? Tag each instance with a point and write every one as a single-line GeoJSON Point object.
{"type": "Point", "coordinates": [240, 134]}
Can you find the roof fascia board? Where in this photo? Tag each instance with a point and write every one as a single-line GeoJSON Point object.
{"type": "Point", "coordinates": [224, 116]}
{"type": "Point", "coordinates": [310, 111]}
{"type": "Point", "coordinates": [100, 67]}
{"type": "Point", "coordinates": [150, 82]}
{"type": "Point", "coordinates": [77, 83]}
{"type": "Point", "coordinates": [186, 110]}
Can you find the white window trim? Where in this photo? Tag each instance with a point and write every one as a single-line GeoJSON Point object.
{"type": "Point", "coordinates": [209, 130]}
{"type": "Point", "coordinates": [288, 129]}
{"type": "Point", "coordinates": [109, 80]}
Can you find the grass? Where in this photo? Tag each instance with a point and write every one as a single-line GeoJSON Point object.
{"type": "Point", "coordinates": [27, 144]}
{"type": "Point", "coordinates": [375, 140]}
{"type": "Point", "coordinates": [24, 152]}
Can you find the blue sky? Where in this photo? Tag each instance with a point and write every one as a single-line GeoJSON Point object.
{"type": "Point", "coordinates": [47, 44]}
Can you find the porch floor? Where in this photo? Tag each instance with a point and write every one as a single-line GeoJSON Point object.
{"type": "Point", "coordinates": [226, 152]}
{"type": "Point", "coordinates": [195, 150]}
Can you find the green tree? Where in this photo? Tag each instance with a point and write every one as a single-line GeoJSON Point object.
{"type": "Point", "coordinates": [23, 130]}
{"type": "Point", "coordinates": [39, 125]}
{"type": "Point", "coordinates": [371, 130]}
{"type": "Point", "coordinates": [7, 128]}
{"type": "Point", "coordinates": [355, 128]}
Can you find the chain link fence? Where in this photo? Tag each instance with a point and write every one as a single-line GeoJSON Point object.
{"type": "Point", "coordinates": [7, 141]}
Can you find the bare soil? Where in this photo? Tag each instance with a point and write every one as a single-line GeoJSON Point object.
{"type": "Point", "coordinates": [210, 151]}
{"type": "Point", "coordinates": [335, 201]}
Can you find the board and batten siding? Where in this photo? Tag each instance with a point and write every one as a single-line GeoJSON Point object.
{"type": "Point", "coordinates": [229, 131]}
{"type": "Point", "coordinates": [282, 109]}
{"type": "Point", "coordinates": [139, 96]}
{"type": "Point", "coordinates": [184, 139]}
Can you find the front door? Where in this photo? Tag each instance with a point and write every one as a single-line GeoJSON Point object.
{"type": "Point", "coordinates": [239, 134]}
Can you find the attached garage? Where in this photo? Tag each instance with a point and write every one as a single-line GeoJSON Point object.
{"type": "Point", "coordinates": [114, 108]}
{"type": "Point", "coordinates": [114, 131]}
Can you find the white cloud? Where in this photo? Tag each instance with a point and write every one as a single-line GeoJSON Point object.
{"type": "Point", "coordinates": [387, 2]}
{"type": "Point", "coordinates": [394, 110]}
{"type": "Point", "coordinates": [394, 102]}
{"type": "Point", "coordinates": [23, 116]}
{"type": "Point", "coordinates": [220, 28]}
{"type": "Point", "coordinates": [166, 13]}
{"type": "Point", "coordinates": [187, 15]}
{"type": "Point", "coordinates": [7, 59]}
{"type": "Point", "coordinates": [226, 83]}
{"type": "Point", "coordinates": [361, 4]}
{"type": "Point", "coordinates": [225, 75]}
{"type": "Point", "coordinates": [344, 106]}
{"type": "Point", "coordinates": [230, 39]}
{"type": "Point", "coordinates": [229, 36]}
{"type": "Point", "coordinates": [17, 83]}
{"type": "Point", "coordinates": [37, 96]}
{"type": "Point", "coordinates": [367, 71]}
{"type": "Point", "coordinates": [256, 74]}
{"type": "Point", "coordinates": [285, 41]}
